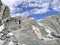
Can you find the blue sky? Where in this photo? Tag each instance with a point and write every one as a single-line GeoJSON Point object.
{"type": "Point", "coordinates": [37, 9]}
{"type": "Point", "coordinates": [44, 15]}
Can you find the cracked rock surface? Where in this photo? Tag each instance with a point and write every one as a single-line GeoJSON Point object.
{"type": "Point", "coordinates": [27, 31]}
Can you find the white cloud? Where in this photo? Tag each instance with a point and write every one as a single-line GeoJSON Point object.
{"type": "Point", "coordinates": [24, 14]}
{"type": "Point", "coordinates": [55, 5]}
{"type": "Point", "coordinates": [39, 11]}
{"type": "Point", "coordinates": [44, 4]}
{"type": "Point", "coordinates": [14, 2]}
{"type": "Point", "coordinates": [8, 2]}
{"type": "Point", "coordinates": [56, 9]}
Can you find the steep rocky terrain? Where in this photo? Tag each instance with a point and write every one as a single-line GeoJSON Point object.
{"type": "Point", "coordinates": [27, 31]}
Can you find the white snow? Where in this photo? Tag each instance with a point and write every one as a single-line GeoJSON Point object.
{"type": "Point", "coordinates": [10, 33]}
{"type": "Point", "coordinates": [1, 27]}
{"type": "Point", "coordinates": [11, 43]}
{"type": "Point", "coordinates": [1, 42]}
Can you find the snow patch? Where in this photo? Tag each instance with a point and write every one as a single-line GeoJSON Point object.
{"type": "Point", "coordinates": [1, 27]}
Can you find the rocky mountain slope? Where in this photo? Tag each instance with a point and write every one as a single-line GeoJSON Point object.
{"type": "Point", "coordinates": [27, 31]}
